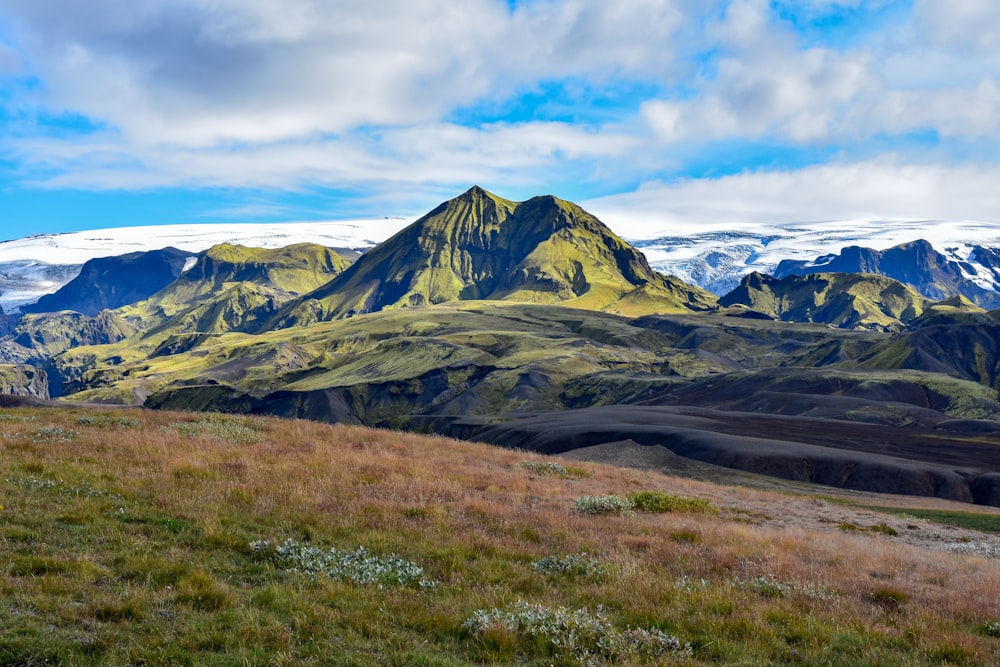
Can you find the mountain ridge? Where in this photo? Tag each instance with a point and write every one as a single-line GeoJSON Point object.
{"type": "Point", "coordinates": [480, 246]}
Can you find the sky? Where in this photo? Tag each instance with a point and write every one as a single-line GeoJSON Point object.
{"type": "Point", "coordinates": [669, 113]}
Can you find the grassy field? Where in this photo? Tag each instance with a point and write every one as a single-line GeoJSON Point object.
{"type": "Point", "coordinates": [155, 538]}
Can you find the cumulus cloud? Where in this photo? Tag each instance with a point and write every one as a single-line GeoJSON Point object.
{"type": "Point", "coordinates": [355, 94]}
{"type": "Point", "coordinates": [766, 85]}
{"type": "Point", "coordinates": [203, 72]}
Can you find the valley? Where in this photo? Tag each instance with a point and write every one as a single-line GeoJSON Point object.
{"type": "Point", "coordinates": [532, 325]}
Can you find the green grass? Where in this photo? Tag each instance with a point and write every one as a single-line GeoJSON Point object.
{"type": "Point", "coordinates": [336, 545]}
{"type": "Point", "coordinates": [987, 523]}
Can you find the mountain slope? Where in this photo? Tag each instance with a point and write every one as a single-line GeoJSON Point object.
{"type": "Point", "coordinates": [843, 300]}
{"type": "Point", "coordinates": [110, 282]}
{"type": "Point", "coordinates": [480, 246]}
{"type": "Point", "coordinates": [268, 277]}
{"type": "Point", "coordinates": [916, 264]}
{"type": "Point", "coordinates": [960, 343]}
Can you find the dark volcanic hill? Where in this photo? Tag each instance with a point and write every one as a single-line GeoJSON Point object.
{"type": "Point", "coordinates": [111, 282]}
{"type": "Point", "coordinates": [480, 246]}
{"type": "Point", "coordinates": [916, 264]}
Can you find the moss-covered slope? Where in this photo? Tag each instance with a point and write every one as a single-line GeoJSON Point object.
{"type": "Point", "coordinates": [843, 300]}
{"type": "Point", "coordinates": [916, 264]}
{"type": "Point", "coordinates": [480, 246]}
{"type": "Point", "coordinates": [230, 286]}
{"type": "Point", "coordinates": [961, 344]}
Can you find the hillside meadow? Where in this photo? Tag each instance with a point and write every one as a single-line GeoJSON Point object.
{"type": "Point", "coordinates": [159, 538]}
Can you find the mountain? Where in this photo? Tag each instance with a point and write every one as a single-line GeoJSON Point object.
{"type": "Point", "coordinates": [40, 264]}
{"type": "Point", "coordinates": [481, 247]}
{"type": "Point", "coordinates": [916, 264]}
{"type": "Point", "coordinates": [960, 343]}
{"type": "Point", "coordinates": [23, 380]}
{"type": "Point", "coordinates": [716, 258]}
{"type": "Point", "coordinates": [840, 299]}
{"type": "Point", "coordinates": [229, 286]}
{"type": "Point", "coordinates": [39, 337]}
{"type": "Point", "coordinates": [110, 282]}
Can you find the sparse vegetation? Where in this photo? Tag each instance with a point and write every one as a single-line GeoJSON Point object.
{"type": "Point", "coordinates": [659, 501]}
{"type": "Point", "coordinates": [578, 565]}
{"type": "Point", "coordinates": [133, 546]}
{"type": "Point", "coordinates": [107, 421]}
{"type": "Point", "coordinates": [608, 504]}
{"type": "Point", "coordinates": [977, 548]}
{"type": "Point", "coordinates": [587, 637]}
{"type": "Point", "coordinates": [982, 521]}
{"type": "Point", "coordinates": [238, 429]}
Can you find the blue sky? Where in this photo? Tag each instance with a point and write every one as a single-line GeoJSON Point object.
{"type": "Point", "coordinates": [649, 112]}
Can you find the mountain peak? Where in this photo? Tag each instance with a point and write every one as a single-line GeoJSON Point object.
{"type": "Point", "coordinates": [475, 191]}
{"type": "Point", "coordinates": [481, 246]}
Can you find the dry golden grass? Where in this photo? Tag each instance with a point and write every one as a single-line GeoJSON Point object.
{"type": "Point", "coordinates": [165, 575]}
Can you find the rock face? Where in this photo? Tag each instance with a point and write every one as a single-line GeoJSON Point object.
{"type": "Point", "coordinates": [843, 300]}
{"type": "Point", "coordinates": [23, 380]}
{"type": "Point", "coordinates": [111, 282]}
{"type": "Point", "coordinates": [480, 246]}
{"type": "Point", "coordinates": [916, 264]}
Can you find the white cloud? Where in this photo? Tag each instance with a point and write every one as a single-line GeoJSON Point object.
{"type": "Point", "coordinates": [765, 85]}
{"type": "Point", "coordinates": [876, 190]}
{"type": "Point", "coordinates": [963, 25]}
{"type": "Point", "coordinates": [205, 72]}
{"type": "Point", "coordinates": [429, 153]}
{"type": "Point", "coordinates": [261, 93]}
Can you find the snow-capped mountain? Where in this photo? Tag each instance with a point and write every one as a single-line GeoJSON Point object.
{"type": "Point", "coordinates": [714, 258]}
{"type": "Point", "coordinates": [717, 259]}
{"type": "Point", "coordinates": [37, 265]}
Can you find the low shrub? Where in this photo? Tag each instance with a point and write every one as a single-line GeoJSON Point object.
{"type": "Point", "coordinates": [356, 566]}
{"type": "Point", "coordinates": [53, 434]}
{"type": "Point", "coordinates": [234, 428]}
{"type": "Point", "coordinates": [658, 502]}
{"type": "Point", "coordinates": [579, 565]}
{"type": "Point", "coordinates": [586, 637]}
{"type": "Point", "coordinates": [609, 504]}
{"type": "Point", "coordinates": [544, 468]}
{"type": "Point", "coordinates": [554, 469]}
{"type": "Point", "coordinates": [104, 421]}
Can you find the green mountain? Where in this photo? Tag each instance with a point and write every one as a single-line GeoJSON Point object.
{"type": "Point", "coordinates": [37, 338]}
{"type": "Point", "coordinates": [23, 380]}
{"type": "Point", "coordinates": [481, 247]}
{"type": "Point", "coordinates": [111, 282]}
{"type": "Point", "coordinates": [486, 312]}
{"type": "Point", "coordinates": [230, 287]}
{"type": "Point", "coordinates": [916, 264]}
{"type": "Point", "coordinates": [844, 300]}
{"type": "Point", "coordinates": [961, 343]}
